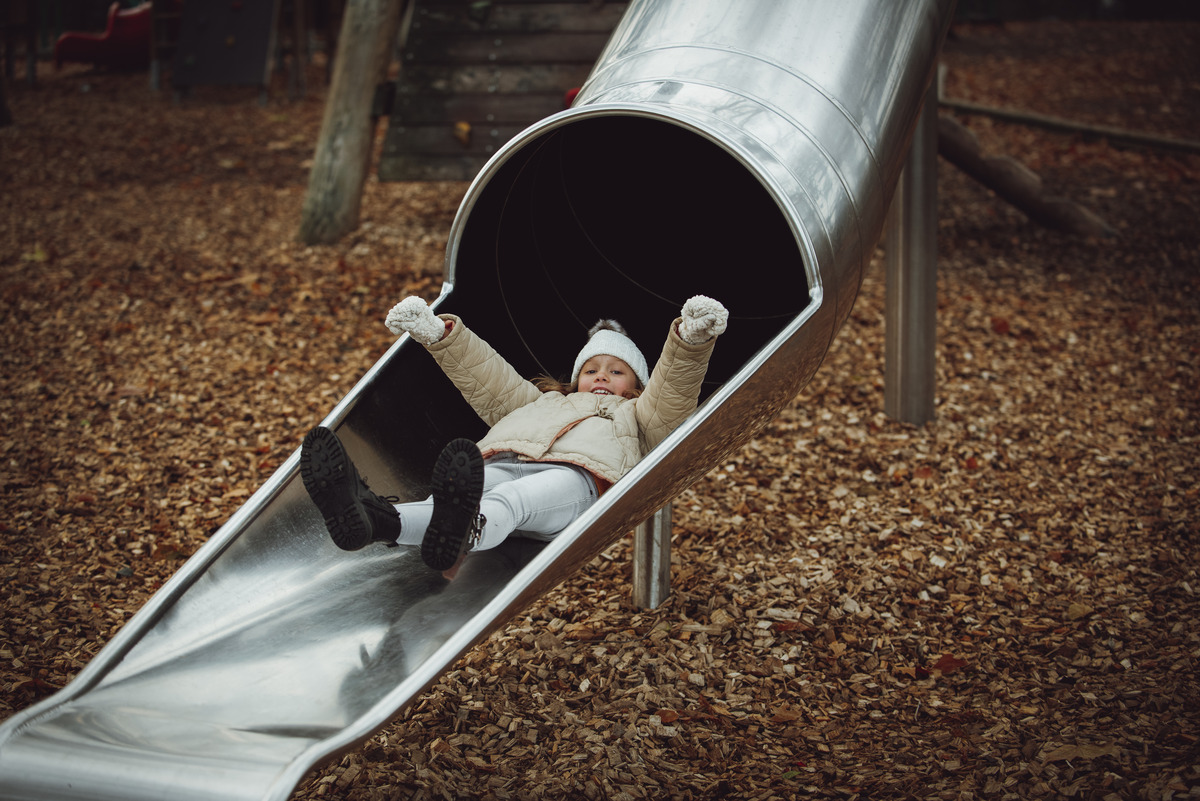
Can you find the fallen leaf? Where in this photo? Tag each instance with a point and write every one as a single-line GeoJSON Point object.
{"type": "Point", "coordinates": [1067, 752]}
{"type": "Point", "coordinates": [948, 664]}
{"type": "Point", "coordinates": [1077, 610]}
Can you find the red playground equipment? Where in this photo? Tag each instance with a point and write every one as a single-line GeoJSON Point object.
{"type": "Point", "coordinates": [124, 45]}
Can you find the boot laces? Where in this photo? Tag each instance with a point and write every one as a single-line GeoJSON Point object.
{"type": "Point", "coordinates": [475, 532]}
{"type": "Point", "coordinates": [388, 498]}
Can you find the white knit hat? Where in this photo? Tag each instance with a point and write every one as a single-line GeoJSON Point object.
{"type": "Point", "coordinates": [608, 337]}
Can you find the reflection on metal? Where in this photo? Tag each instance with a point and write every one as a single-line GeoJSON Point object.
{"type": "Point", "coordinates": [742, 150]}
{"type": "Point", "coordinates": [652, 560]}
{"type": "Point", "coordinates": [911, 318]}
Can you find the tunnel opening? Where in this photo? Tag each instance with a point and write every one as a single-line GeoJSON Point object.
{"type": "Point", "coordinates": [624, 217]}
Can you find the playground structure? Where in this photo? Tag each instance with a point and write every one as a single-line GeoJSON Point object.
{"type": "Point", "coordinates": [473, 77]}
{"type": "Point", "coordinates": [748, 151]}
{"type": "Point", "coordinates": [124, 43]}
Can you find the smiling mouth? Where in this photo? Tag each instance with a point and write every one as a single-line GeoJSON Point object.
{"type": "Point", "coordinates": [600, 391]}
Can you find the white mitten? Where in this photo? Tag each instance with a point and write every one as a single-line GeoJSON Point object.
{"type": "Point", "coordinates": [703, 319]}
{"type": "Point", "coordinates": [414, 317]}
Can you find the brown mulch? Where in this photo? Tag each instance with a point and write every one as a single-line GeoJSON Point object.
{"type": "Point", "coordinates": [1001, 604]}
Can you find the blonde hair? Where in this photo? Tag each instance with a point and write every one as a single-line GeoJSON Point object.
{"type": "Point", "coordinates": [550, 384]}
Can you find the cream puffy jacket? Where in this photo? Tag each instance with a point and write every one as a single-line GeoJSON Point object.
{"type": "Point", "coordinates": [604, 434]}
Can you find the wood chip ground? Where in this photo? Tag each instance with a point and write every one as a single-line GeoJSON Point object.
{"type": "Point", "coordinates": [1000, 604]}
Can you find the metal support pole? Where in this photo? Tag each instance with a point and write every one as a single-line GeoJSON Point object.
{"type": "Point", "coordinates": [911, 316]}
{"type": "Point", "coordinates": [652, 560]}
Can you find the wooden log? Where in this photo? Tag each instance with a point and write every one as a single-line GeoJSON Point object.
{"type": "Point", "coordinates": [343, 155]}
{"type": "Point", "coordinates": [1118, 137]}
{"type": "Point", "coordinates": [1015, 183]}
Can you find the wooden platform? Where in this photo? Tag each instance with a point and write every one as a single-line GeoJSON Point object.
{"type": "Point", "coordinates": [474, 74]}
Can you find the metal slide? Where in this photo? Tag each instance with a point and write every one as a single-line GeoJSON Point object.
{"type": "Point", "coordinates": [747, 150]}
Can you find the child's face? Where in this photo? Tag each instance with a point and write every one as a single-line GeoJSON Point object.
{"type": "Point", "coordinates": [607, 375]}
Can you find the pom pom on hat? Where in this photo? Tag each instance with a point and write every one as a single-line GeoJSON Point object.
{"type": "Point", "coordinates": [608, 337]}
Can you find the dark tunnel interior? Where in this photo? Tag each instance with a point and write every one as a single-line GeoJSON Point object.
{"type": "Point", "coordinates": [624, 217]}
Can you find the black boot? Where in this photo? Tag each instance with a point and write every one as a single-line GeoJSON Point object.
{"type": "Point", "coordinates": [456, 523]}
{"type": "Point", "coordinates": [354, 515]}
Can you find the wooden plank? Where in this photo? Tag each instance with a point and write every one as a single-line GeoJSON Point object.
{"type": "Point", "coordinates": [554, 17]}
{"type": "Point", "coordinates": [431, 168]}
{"type": "Point", "coordinates": [503, 79]}
{"type": "Point", "coordinates": [458, 3]}
{"type": "Point", "coordinates": [484, 48]}
{"type": "Point", "coordinates": [491, 108]}
{"type": "Point", "coordinates": [440, 140]}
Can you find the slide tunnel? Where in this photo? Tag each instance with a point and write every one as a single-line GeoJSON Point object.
{"type": "Point", "coordinates": [746, 150]}
{"type": "Point", "coordinates": [577, 225]}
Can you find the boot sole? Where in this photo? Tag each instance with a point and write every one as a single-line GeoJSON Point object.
{"type": "Point", "coordinates": [457, 487]}
{"type": "Point", "coordinates": [332, 483]}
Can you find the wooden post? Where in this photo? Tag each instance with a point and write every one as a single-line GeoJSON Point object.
{"type": "Point", "coordinates": [5, 115]}
{"type": "Point", "coordinates": [343, 155]}
{"type": "Point", "coordinates": [297, 83]}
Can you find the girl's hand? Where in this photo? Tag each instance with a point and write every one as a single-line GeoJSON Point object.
{"type": "Point", "coordinates": [703, 319]}
{"type": "Point", "coordinates": [413, 316]}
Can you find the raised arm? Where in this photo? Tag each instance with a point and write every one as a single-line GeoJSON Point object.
{"type": "Point", "coordinates": [486, 380]}
{"type": "Point", "coordinates": [674, 388]}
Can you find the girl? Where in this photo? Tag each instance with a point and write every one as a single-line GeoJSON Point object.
{"type": "Point", "coordinates": [552, 449]}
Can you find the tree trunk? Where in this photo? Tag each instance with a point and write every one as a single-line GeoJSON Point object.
{"type": "Point", "coordinates": [343, 155]}
{"type": "Point", "coordinates": [1015, 183]}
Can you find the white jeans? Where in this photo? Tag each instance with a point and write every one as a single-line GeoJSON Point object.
{"type": "Point", "coordinates": [533, 499]}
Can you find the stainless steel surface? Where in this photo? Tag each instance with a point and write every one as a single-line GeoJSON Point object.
{"type": "Point", "coordinates": [745, 150]}
{"type": "Point", "coordinates": [911, 318]}
{"type": "Point", "coordinates": [652, 560]}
